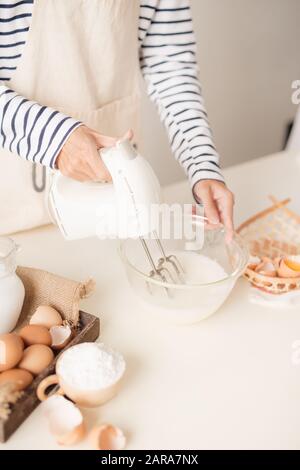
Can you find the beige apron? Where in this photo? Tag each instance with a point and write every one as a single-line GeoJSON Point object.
{"type": "Point", "coordinates": [80, 58]}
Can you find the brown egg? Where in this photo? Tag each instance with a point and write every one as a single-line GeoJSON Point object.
{"type": "Point", "coordinates": [20, 378]}
{"type": "Point", "coordinates": [46, 316]}
{"type": "Point", "coordinates": [11, 350]}
{"type": "Point", "coordinates": [35, 334]}
{"type": "Point", "coordinates": [36, 358]}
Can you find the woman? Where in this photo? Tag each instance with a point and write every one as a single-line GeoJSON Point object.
{"type": "Point", "coordinates": [69, 77]}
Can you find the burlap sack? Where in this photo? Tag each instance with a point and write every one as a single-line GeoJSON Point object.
{"type": "Point", "coordinates": [44, 288]}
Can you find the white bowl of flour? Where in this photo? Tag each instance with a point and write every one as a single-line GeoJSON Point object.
{"type": "Point", "coordinates": [88, 373]}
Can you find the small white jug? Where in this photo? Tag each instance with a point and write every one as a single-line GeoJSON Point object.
{"type": "Point", "coordinates": [12, 290]}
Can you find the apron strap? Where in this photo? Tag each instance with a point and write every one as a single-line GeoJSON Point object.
{"type": "Point", "coordinates": [38, 187]}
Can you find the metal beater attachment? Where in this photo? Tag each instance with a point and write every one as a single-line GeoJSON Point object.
{"type": "Point", "coordinates": [168, 268]}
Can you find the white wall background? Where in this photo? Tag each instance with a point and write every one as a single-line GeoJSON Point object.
{"type": "Point", "coordinates": [249, 53]}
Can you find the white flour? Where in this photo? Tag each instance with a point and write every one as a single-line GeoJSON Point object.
{"type": "Point", "coordinates": [91, 366]}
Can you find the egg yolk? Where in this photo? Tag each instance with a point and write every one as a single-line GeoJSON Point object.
{"type": "Point", "coordinates": [292, 265]}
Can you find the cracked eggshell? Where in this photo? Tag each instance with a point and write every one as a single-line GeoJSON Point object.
{"type": "Point", "coordinates": [107, 437]}
{"type": "Point", "coordinates": [254, 261]}
{"type": "Point", "coordinates": [60, 336]}
{"type": "Point", "coordinates": [35, 334]}
{"type": "Point", "coordinates": [266, 268]}
{"type": "Point", "coordinates": [289, 267]}
{"type": "Point", "coordinates": [65, 420]}
{"type": "Point", "coordinates": [46, 316]}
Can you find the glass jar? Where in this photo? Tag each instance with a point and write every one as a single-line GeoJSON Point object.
{"type": "Point", "coordinates": [12, 290]}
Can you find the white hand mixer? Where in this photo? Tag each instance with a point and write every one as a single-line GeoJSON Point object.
{"type": "Point", "coordinates": [118, 210]}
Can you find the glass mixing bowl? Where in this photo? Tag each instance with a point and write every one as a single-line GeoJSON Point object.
{"type": "Point", "coordinates": [194, 299]}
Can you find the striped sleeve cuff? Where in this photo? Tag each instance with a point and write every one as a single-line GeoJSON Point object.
{"type": "Point", "coordinates": [203, 171]}
{"type": "Point", "coordinates": [36, 133]}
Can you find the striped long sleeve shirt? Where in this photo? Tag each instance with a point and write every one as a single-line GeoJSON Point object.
{"type": "Point", "coordinates": [168, 64]}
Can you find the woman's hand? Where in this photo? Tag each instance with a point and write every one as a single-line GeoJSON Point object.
{"type": "Point", "coordinates": [218, 203]}
{"type": "Point", "coordinates": [79, 157]}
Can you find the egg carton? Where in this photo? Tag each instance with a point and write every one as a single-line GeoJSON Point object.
{"type": "Point", "coordinates": [272, 233]}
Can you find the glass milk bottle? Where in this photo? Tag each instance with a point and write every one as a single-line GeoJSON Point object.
{"type": "Point", "coordinates": [12, 290]}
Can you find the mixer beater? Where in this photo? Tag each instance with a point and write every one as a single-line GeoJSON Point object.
{"type": "Point", "coordinates": [167, 269]}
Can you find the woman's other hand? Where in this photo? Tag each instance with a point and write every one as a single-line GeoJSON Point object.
{"type": "Point", "coordinates": [218, 203]}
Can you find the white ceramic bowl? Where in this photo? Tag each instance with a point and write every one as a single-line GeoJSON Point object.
{"type": "Point", "coordinates": [81, 393]}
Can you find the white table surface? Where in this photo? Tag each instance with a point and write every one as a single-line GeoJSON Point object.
{"type": "Point", "coordinates": [227, 382]}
